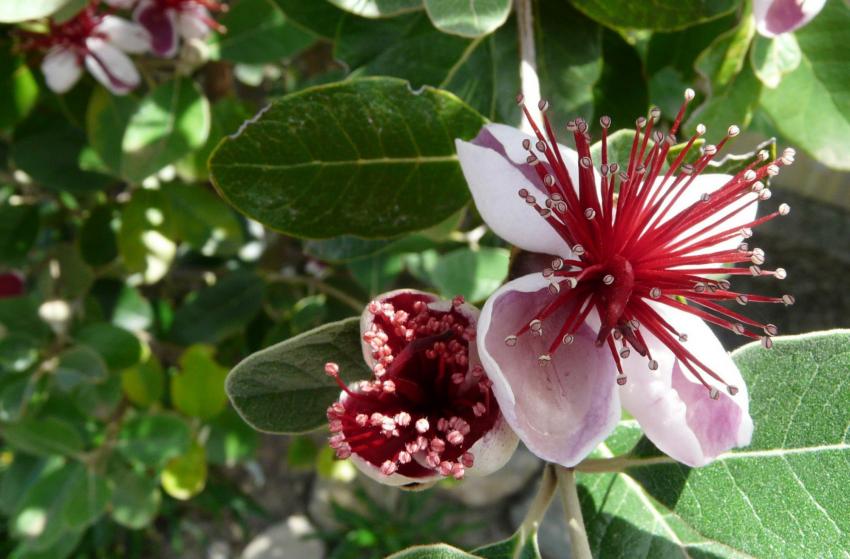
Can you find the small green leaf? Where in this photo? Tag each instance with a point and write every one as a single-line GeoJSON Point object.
{"type": "Point", "coordinates": [153, 440]}
{"type": "Point", "coordinates": [468, 19]}
{"type": "Point", "coordinates": [144, 384]}
{"type": "Point", "coordinates": [435, 551]}
{"type": "Point", "coordinates": [284, 388]}
{"type": "Point", "coordinates": [15, 11]}
{"type": "Point", "coordinates": [20, 90]}
{"type": "Point", "coordinates": [43, 436]}
{"type": "Point", "coordinates": [169, 123]}
{"type": "Point", "coordinates": [98, 245]}
{"type": "Point", "coordinates": [18, 352]}
{"type": "Point", "coordinates": [132, 311]}
{"type": "Point", "coordinates": [107, 117]}
{"type": "Point", "coordinates": [77, 365]}
{"type": "Point", "coordinates": [18, 230]}
{"type": "Point", "coordinates": [137, 502]}
{"type": "Point", "coordinates": [660, 15]}
{"type": "Point", "coordinates": [231, 440]}
{"type": "Point", "coordinates": [186, 475]}
{"type": "Point", "coordinates": [517, 546]}
{"type": "Point", "coordinates": [196, 215]}
{"type": "Point", "coordinates": [118, 347]}
{"type": "Point", "coordinates": [198, 389]}
{"type": "Point", "coordinates": [378, 8]}
{"type": "Point", "coordinates": [773, 58]}
{"type": "Point", "coordinates": [475, 274]}
{"type": "Point", "coordinates": [299, 165]}
{"type": "Point", "coordinates": [86, 500]}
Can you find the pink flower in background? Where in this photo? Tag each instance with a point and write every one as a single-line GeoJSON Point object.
{"type": "Point", "coordinates": [11, 285]}
{"type": "Point", "coordinates": [429, 411]}
{"type": "Point", "coordinates": [618, 317]}
{"type": "Point", "coordinates": [98, 42]}
{"type": "Point", "coordinates": [168, 20]}
{"type": "Point", "coordinates": [774, 17]}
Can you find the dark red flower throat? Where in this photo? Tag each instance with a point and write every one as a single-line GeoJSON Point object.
{"type": "Point", "coordinates": [631, 247]}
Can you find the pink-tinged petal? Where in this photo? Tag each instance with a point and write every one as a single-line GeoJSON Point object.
{"type": "Point", "coordinates": [111, 67]}
{"type": "Point", "coordinates": [493, 450]}
{"type": "Point", "coordinates": [774, 17]}
{"type": "Point", "coordinates": [62, 69]}
{"type": "Point", "coordinates": [125, 35]}
{"type": "Point", "coordinates": [192, 22]}
{"type": "Point", "coordinates": [161, 24]}
{"type": "Point", "coordinates": [674, 409]}
{"type": "Point", "coordinates": [563, 409]}
{"type": "Point", "coordinates": [495, 169]}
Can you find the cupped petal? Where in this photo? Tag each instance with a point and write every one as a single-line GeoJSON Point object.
{"type": "Point", "coordinates": [124, 34]}
{"type": "Point", "coordinates": [111, 67]}
{"type": "Point", "coordinates": [161, 24]}
{"type": "Point", "coordinates": [562, 410]}
{"type": "Point", "coordinates": [674, 409]}
{"type": "Point", "coordinates": [62, 69]}
{"type": "Point", "coordinates": [493, 450]}
{"type": "Point", "coordinates": [495, 168]}
{"type": "Point", "coordinates": [774, 17]}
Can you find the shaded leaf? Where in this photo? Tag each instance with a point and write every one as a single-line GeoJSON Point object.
{"type": "Point", "coordinates": [660, 15]}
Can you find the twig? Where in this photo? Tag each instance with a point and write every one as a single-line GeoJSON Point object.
{"type": "Point", "coordinates": [540, 504]}
{"type": "Point", "coordinates": [529, 82]}
{"type": "Point", "coordinates": [320, 286]}
{"type": "Point", "coordinates": [572, 512]}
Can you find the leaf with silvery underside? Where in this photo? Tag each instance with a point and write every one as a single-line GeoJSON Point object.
{"type": "Point", "coordinates": [472, 18]}
{"type": "Point", "coordinates": [378, 8]}
{"type": "Point", "coordinates": [515, 547]}
{"type": "Point", "coordinates": [435, 551]}
{"type": "Point", "coordinates": [367, 157]}
{"type": "Point", "coordinates": [783, 496]}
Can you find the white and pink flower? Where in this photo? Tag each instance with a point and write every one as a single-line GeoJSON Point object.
{"type": "Point", "coordinates": [775, 17]}
{"type": "Point", "coordinates": [99, 43]}
{"type": "Point", "coordinates": [429, 411]}
{"type": "Point", "coordinates": [617, 318]}
{"type": "Point", "coordinates": [168, 20]}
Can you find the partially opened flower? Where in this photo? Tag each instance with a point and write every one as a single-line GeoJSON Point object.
{"type": "Point", "coordinates": [774, 17]}
{"type": "Point", "coordinates": [638, 259]}
{"type": "Point", "coordinates": [429, 411]}
{"type": "Point", "coordinates": [168, 20]}
{"type": "Point", "coordinates": [98, 42]}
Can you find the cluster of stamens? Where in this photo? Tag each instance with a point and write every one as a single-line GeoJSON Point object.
{"type": "Point", "coordinates": [425, 405]}
{"type": "Point", "coordinates": [629, 247]}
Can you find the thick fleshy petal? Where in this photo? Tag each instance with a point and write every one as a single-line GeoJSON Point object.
{"type": "Point", "coordinates": [562, 410]}
{"type": "Point", "coordinates": [62, 69]}
{"type": "Point", "coordinates": [495, 167]}
{"type": "Point", "coordinates": [161, 24]}
{"type": "Point", "coordinates": [192, 22]}
{"type": "Point", "coordinates": [774, 17]}
{"type": "Point", "coordinates": [111, 67]}
{"type": "Point", "coordinates": [674, 409]}
{"type": "Point", "coordinates": [124, 34]}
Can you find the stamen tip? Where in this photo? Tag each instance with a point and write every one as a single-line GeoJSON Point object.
{"type": "Point", "coordinates": [689, 94]}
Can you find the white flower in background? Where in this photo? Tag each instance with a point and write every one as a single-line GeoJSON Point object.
{"type": "Point", "coordinates": [168, 20]}
{"type": "Point", "coordinates": [774, 17]}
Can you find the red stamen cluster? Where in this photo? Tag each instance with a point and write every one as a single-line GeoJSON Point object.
{"type": "Point", "coordinates": [71, 34]}
{"type": "Point", "coordinates": [186, 5]}
{"type": "Point", "coordinates": [425, 406]}
{"type": "Point", "coordinates": [627, 253]}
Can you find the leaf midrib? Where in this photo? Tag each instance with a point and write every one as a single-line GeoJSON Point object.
{"type": "Point", "coordinates": [348, 162]}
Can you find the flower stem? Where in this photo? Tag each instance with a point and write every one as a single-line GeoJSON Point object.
{"type": "Point", "coordinates": [529, 81]}
{"type": "Point", "coordinates": [572, 513]}
{"type": "Point", "coordinates": [540, 504]}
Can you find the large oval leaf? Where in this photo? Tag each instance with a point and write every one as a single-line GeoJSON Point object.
{"type": "Point", "coordinates": [284, 388]}
{"type": "Point", "coordinates": [378, 8]}
{"type": "Point", "coordinates": [660, 15]}
{"type": "Point", "coordinates": [366, 157]}
{"type": "Point", "coordinates": [12, 11]}
{"type": "Point", "coordinates": [468, 19]}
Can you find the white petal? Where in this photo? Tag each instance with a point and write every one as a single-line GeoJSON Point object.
{"type": "Point", "coordinates": [562, 410]}
{"type": "Point", "coordinates": [674, 409]}
{"type": "Point", "coordinates": [495, 169]}
{"type": "Point", "coordinates": [191, 23]}
{"type": "Point", "coordinates": [125, 35]}
{"type": "Point", "coordinates": [774, 17]}
{"type": "Point", "coordinates": [111, 67]}
{"type": "Point", "coordinates": [493, 450]}
{"type": "Point", "coordinates": [121, 4]}
{"type": "Point", "coordinates": [61, 69]}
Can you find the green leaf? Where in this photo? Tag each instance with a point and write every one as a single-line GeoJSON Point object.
{"type": "Point", "coordinates": [186, 475]}
{"type": "Point", "coordinates": [170, 122]}
{"type": "Point", "coordinates": [298, 166]}
{"type": "Point", "coordinates": [435, 551]}
{"type": "Point", "coordinates": [144, 384]}
{"type": "Point", "coordinates": [811, 107]}
{"type": "Point", "coordinates": [231, 440]}
{"type": "Point", "coordinates": [378, 8]}
{"type": "Point", "coordinates": [18, 230]}
{"type": "Point", "coordinates": [132, 311]}
{"type": "Point", "coordinates": [773, 58]}
{"type": "Point", "coordinates": [468, 19]}
{"type": "Point", "coordinates": [321, 18]}
{"type": "Point", "coordinates": [78, 365]}
{"type": "Point", "coordinates": [622, 64]}
{"type": "Point", "coordinates": [86, 500]}
{"type": "Point", "coordinates": [43, 436]}
{"type": "Point", "coordinates": [196, 215]}
{"type": "Point", "coordinates": [20, 315]}
{"type": "Point", "coordinates": [13, 12]}
{"type": "Point", "coordinates": [19, 477]}
{"type": "Point", "coordinates": [786, 488]}
{"type": "Point", "coordinates": [143, 246]}
{"type": "Point", "coordinates": [18, 352]}
{"type": "Point", "coordinates": [473, 274]}
{"type": "Point", "coordinates": [302, 452]}
{"type": "Point", "coordinates": [152, 440]}
{"type": "Point", "coordinates": [107, 117]}
{"type": "Point", "coordinates": [20, 90]}
{"type": "Point", "coordinates": [98, 245]}
{"type": "Point", "coordinates": [660, 15]}
{"type": "Point", "coordinates": [137, 503]}
{"type": "Point", "coordinates": [15, 394]}
{"type": "Point", "coordinates": [220, 310]}
{"type": "Point", "coordinates": [284, 388]}
{"type": "Point", "coordinates": [198, 389]}
{"type": "Point", "coordinates": [258, 32]}
{"type": "Point", "coordinates": [118, 347]}
{"type": "Point", "coordinates": [515, 547]}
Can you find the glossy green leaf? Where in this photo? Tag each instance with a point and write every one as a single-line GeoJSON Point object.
{"type": "Point", "coordinates": [18, 352]}
{"type": "Point", "coordinates": [435, 551]}
{"type": "Point", "coordinates": [811, 107]}
{"type": "Point", "coordinates": [107, 117]}
{"type": "Point", "coordinates": [194, 214]}
{"type": "Point", "coordinates": [78, 365]}
{"type": "Point", "coordinates": [468, 19]}
{"type": "Point", "coordinates": [170, 121]}
{"type": "Point", "coordinates": [20, 315]}
{"type": "Point", "coordinates": [258, 32]}
{"type": "Point", "coordinates": [220, 310]}
{"type": "Point", "coordinates": [786, 488]}
{"type": "Point", "coordinates": [15, 394]}
{"type": "Point", "coordinates": [515, 547]}
{"type": "Point", "coordinates": [622, 64]}
{"type": "Point", "coordinates": [661, 15]}
{"type": "Point", "coordinates": [152, 440]}
{"type": "Point", "coordinates": [137, 503]}
{"type": "Point", "coordinates": [144, 384]}
{"type": "Point", "coordinates": [473, 274]}
{"type": "Point", "coordinates": [87, 500]}
{"type": "Point", "coordinates": [19, 476]}
{"type": "Point", "coordinates": [15, 11]}
{"type": "Point", "coordinates": [132, 311]}
{"type": "Point", "coordinates": [98, 245]}
{"type": "Point", "coordinates": [141, 241]}
{"type": "Point", "coordinates": [18, 229]}
{"type": "Point", "coordinates": [284, 388]}
{"type": "Point", "coordinates": [43, 436]}
{"type": "Point", "coordinates": [118, 347]}
{"type": "Point", "coordinates": [374, 139]}
{"type": "Point", "coordinates": [198, 389]}
{"type": "Point", "coordinates": [321, 18]}
{"type": "Point", "coordinates": [378, 8]}
{"type": "Point", "coordinates": [231, 440]}
{"type": "Point", "coordinates": [186, 475]}
{"type": "Point", "coordinates": [773, 58]}
{"type": "Point", "coordinates": [20, 90]}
